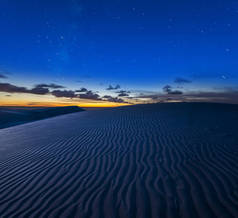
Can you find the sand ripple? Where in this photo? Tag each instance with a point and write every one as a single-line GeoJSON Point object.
{"type": "Point", "coordinates": [170, 160]}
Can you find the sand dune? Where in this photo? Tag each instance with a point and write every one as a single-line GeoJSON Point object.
{"type": "Point", "coordinates": [12, 116]}
{"type": "Point", "coordinates": [162, 160]}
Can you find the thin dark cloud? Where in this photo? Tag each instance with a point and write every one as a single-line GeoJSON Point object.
{"type": "Point", "coordinates": [226, 96]}
{"type": "Point", "coordinates": [51, 86]}
{"type": "Point", "coordinates": [180, 80]}
{"type": "Point", "coordinates": [110, 87]}
{"type": "Point", "coordinates": [2, 76]}
{"type": "Point", "coordinates": [175, 92]}
{"type": "Point", "coordinates": [158, 97]}
{"type": "Point", "coordinates": [64, 93]}
{"type": "Point", "coordinates": [168, 89]}
{"type": "Point", "coordinates": [90, 95]}
{"type": "Point", "coordinates": [107, 96]}
{"type": "Point", "coordinates": [114, 99]}
{"type": "Point", "coordinates": [123, 93]}
{"type": "Point", "coordinates": [81, 90]}
{"type": "Point", "coordinates": [229, 96]}
{"type": "Point", "coordinates": [33, 103]}
{"type": "Point", "coordinates": [7, 87]}
{"type": "Point", "coordinates": [39, 91]}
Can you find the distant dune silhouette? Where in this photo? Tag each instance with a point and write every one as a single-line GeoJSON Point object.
{"type": "Point", "coordinates": [155, 160]}
{"type": "Point", "coordinates": [11, 116]}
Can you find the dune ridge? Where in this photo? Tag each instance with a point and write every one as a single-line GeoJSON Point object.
{"type": "Point", "coordinates": [161, 160]}
{"type": "Point", "coordinates": [12, 116]}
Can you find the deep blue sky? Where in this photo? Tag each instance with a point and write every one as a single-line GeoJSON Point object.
{"type": "Point", "coordinates": [140, 45]}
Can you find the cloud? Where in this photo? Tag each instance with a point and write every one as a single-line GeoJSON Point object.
{"type": "Point", "coordinates": [114, 99]}
{"type": "Point", "coordinates": [72, 94]}
{"type": "Point", "coordinates": [43, 89]}
{"type": "Point", "coordinates": [90, 95]}
{"type": "Point", "coordinates": [228, 96]}
{"type": "Point", "coordinates": [39, 91]}
{"type": "Point", "coordinates": [159, 97]}
{"type": "Point", "coordinates": [225, 96]}
{"type": "Point", "coordinates": [175, 92]}
{"type": "Point", "coordinates": [51, 86]}
{"type": "Point", "coordinates": [123, 93]}
{"type": "Point", "coordinates": [3, 76]}
{"type": "Point", "coordinates": [64, 93]}
{"type": "Point", "coordinates": [7, 87]}
{"type": "Point", "coordinates": [107, 96]}
{"type": "Point", "coordinates": [169, 91]}
{"type": "Point", "coordinates": [110, 87]}
{"type": "Point", "coordinates": [167, 88]}
{"type": "Point", "coordinates": [180, 80]}
{"type": "Point", "coordinates": [81, 90]}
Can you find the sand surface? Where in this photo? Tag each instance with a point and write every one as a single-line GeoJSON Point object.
{"type": "Point", "coordinates": [164, 160]}
{"type": "Point", "coordinates": [12, 116]}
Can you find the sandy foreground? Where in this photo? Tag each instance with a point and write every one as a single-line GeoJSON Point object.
{"type": "Point", "coordinates": [161, 160]}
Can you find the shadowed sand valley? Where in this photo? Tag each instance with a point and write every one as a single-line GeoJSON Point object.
{"type": "Point", "coordinates": [155, 160]}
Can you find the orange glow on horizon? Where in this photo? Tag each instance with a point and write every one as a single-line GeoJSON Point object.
{"type": "Point", "coordinates": [55, 104]}
{"type": "Point", "coordinates": [62, 105]}
{"type": "Point", "coordinates": [20, 100]}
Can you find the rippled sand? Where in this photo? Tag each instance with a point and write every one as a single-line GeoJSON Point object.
{"type": "Point", "coordinates": [161, 160]}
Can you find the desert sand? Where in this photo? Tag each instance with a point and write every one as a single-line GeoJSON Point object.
{"type": "Point", "coordinates": [12, 116]}
{"type": "Point", "coordinates": [158, 160]}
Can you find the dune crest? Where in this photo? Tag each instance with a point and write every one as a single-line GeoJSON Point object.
{"type": "Point", "coordinates": [12, 116]}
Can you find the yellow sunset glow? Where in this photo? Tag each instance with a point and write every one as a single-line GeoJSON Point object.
{"type": "Point", "coordinates": [50, 101]}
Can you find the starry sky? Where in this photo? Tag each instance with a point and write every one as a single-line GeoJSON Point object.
{"type": "Point", "coordinates": [117, 52]}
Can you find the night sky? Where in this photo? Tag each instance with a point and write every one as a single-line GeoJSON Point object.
{"type": "Point", "coordinates": [106, 53]}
